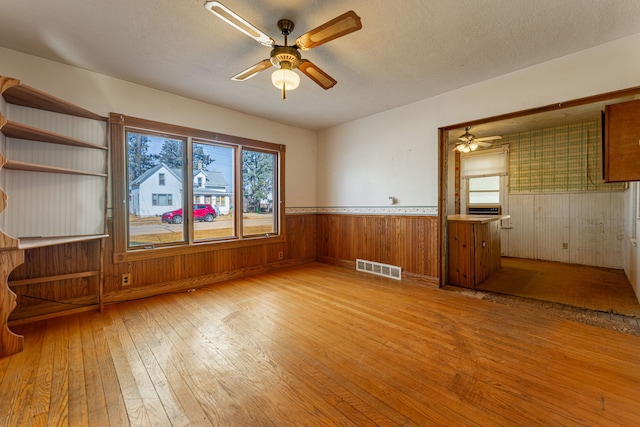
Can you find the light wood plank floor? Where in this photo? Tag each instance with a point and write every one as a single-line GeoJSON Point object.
{"type": "Point", "coordinates": [319, 345]}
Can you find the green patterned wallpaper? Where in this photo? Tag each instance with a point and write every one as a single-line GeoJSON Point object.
{"type": "Point", "coordinates": [562, 158]}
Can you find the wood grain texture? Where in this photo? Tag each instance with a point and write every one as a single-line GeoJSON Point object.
{"type": "Point", "coordinates": [10, 343]}
{"type": "Point", "coordinates": [194, 269]}
{"type": "Point", "coordinates": [405, 241]}
{"type": "Point", "coordinates": [474, 251]}
{"type": "Point", "coordinates": [57, 278]}
{"type": "Point", "coordinates": [621, 148]}
{"type": "Point", "coordinates": [319, 345]}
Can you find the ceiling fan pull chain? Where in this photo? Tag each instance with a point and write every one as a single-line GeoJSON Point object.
{"type": "Point", "coordinates": [284, 90]}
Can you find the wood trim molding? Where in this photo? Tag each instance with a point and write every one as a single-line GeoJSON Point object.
{"type": "Point", "coordinates": [197, 282]}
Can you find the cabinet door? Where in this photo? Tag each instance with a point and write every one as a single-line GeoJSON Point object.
{"type": "Point", "coordinates": [622, 142]}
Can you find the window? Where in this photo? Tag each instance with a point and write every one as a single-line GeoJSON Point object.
{"type": "Point", "coordinates": [484, 190]}
{"type": "Point", "coordinates": [162, 200]}
{"type": "Point", "coordinates": [258, 176]}
{"type": "Point", "coordinates": [485, 175]}
{"type": "Point", "coordinates": [224, 190]}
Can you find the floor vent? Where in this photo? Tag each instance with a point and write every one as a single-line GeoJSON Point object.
{"type": "Point", "coordinates": [386, 270]}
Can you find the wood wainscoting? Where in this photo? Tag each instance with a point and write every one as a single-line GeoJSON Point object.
{"type": "Point", "coordinates": [75, 292]}
{"type": "Point", "coordinates": [410, 242]}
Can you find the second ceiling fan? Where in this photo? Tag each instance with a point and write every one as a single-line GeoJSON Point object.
{"type": "Point", "coordinates": [287, 58]}
{"type": "Point", "coordinates": [468, 142]}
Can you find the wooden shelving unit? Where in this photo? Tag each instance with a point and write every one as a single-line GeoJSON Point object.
{"type": "Point", "coordinates": [16, 238]}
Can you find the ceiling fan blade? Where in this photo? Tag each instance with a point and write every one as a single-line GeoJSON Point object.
{"type": "Point", "coordinates": [252, 71]}
{"type": "Point", "coordinates": [488, 138]}
{"type": "Point", "coordinates": [342, 25]}
{"type": "Point", "coordinates": [233, 19]}
{"type": "Point", "coordinates": [483, 143]}
{"type": "Point", "coordinates": [316, 74]}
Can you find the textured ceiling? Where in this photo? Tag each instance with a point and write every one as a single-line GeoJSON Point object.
{"type": "Point", "coordinates": [407, 50]}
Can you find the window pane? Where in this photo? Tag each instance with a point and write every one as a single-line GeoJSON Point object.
{"type": "Point", "coordinates": [154, 182]}
{"type": "Point", "coordinates": [258, 176]}
{"type": "Point", "coordinates": [213, 191]}
{"type": "Point", "coordinates": [484, 183]}
{"type": "Point", "coordinates": [484, 198]}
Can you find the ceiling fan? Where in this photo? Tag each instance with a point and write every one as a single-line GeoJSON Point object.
{"type": "Point", "coordinates": [468, 142]}
{"type": "Point", "coordinates": [287, 58]}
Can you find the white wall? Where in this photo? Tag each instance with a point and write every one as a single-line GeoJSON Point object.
{"type": "Point", "coordinates": [631, 255]}
{"type": "Point", "coordinates": [102, 94]}
{"type": "Point", "coordinates": [396, 152]}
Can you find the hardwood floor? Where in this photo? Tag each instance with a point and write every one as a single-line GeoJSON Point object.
{"type": "Point", "coordinates": [594, 288]}
{"type": "Point", "coordinates": [319, 345]}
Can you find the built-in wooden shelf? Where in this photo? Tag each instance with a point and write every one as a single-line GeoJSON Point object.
{"type": "Point", "coordinates": [35, 167]}
{"type": "Point", "coordinates": [22, 131]}
{"type": "Point", "coordinates": [40, 242]}
{"type": "Point", "coordinates": [37, 188]}
{"type": "Point", "coordinates": [21, 94]}
{"type": "Point", "coordinates": [57, 278]}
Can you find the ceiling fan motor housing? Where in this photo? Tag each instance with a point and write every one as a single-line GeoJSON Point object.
{"type": "Point", "coordinates": [285, 57]}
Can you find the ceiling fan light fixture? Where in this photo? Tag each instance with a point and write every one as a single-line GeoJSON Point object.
{"type": "Point", "coordinates": [289, 78]}
{"type": "Point", "coordinates": [285, 79]}
{"type": "Point", "coordinates": [464, 148]}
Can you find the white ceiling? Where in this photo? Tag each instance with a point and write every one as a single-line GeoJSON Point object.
{"type": "Point", "coordinates": [407, 50]}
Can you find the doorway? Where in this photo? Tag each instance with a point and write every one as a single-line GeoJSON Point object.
{"type": "Point", "coordinates": [529, 270]}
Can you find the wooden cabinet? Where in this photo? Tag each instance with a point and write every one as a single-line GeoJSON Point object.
{"type": "Point", "coordinates": [53, 180]}
{"type": "Point", "coordinates": [622, 142]}
{"type": "Point", "coordinates": [474, 248]}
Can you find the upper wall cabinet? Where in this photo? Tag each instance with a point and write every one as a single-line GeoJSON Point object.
{"type": "Point", "coordinates": [53, 169]}
{"type": "Point", "coordinates": [622, 142]}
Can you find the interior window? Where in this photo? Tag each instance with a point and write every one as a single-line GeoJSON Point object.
{"type": "Point", "coordinates": [484, 190]}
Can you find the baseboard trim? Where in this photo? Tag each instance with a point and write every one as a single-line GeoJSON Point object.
{"type": "Point", "coordinates": [197, 282]}
{"type": "Point", "coordinates": [419, 279]}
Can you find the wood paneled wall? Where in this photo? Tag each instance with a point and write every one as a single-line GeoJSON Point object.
{"type": "Point", "coordinates": [185, 271]}
{"type": "Point", "coordinates": [410, 242]}
{"type": "Point", "coordinates": [76, 265]}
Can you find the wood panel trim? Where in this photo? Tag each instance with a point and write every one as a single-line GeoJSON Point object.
{"type": "Point", "coordinates": [59, 277]}
{"type": "Point", "coordinates": [419, 279]}
{"type": "Point", "coordinates": [623, 93]}
{"type": "Point", "coordinates": [10, 343]}
{"type": "Point", "coordinates": [197, 282]}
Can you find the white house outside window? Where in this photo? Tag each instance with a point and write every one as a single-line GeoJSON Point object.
{"type": "Point", "coordinates": [188, 187]}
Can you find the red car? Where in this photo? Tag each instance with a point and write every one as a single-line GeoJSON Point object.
{"type": "Point", "coordinates": [201, 212]}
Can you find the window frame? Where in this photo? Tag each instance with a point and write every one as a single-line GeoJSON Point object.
{"type": "Point", "coordinates": [120, 123]}
{"type": "Point", "coordinates": [486, 204]}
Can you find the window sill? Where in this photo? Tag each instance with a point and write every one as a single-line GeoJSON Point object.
{"type": "Point", "coordinates": [169, 251]}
